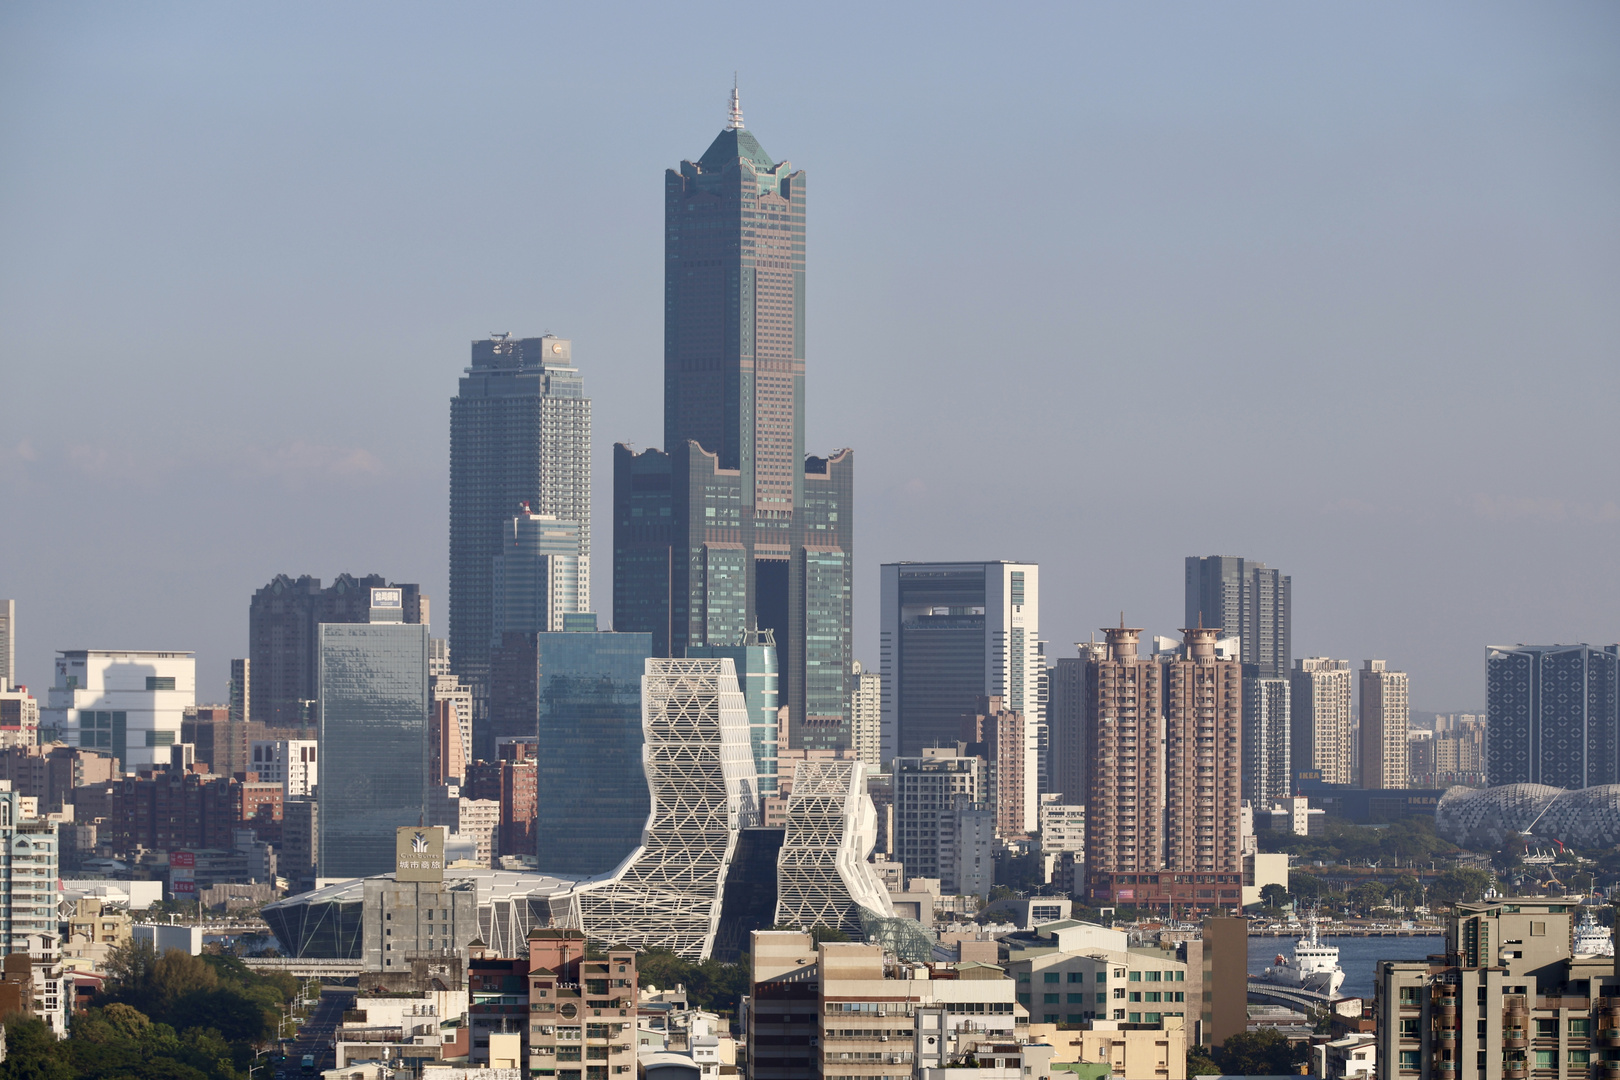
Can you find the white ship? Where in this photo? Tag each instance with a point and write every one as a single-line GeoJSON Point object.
{"type": "Point", "coordinates": [1314, 967]}
{"type": "Point", "coordinates": [1592, 939]}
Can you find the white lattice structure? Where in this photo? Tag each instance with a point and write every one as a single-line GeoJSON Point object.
{"type": "Point", "coordinates": [822, 876]}
{"type": "Point", "coordinates": [700, 772]}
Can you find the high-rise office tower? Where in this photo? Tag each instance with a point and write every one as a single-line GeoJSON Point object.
{"type": "Point", "coordinates": [8, 644]}
{"type": "Point", "coordinates": [520, 433]}
{"type": "Point", "coordinates": [593, 797]}
{"type": "Point", "coordinates": [952, 633]}
{"type": "Point", "coordinates": [1267, 738]}
{"type": "Point", "coordinates": [1125, 807]}
{"type": "Point", "coordinates": [1246, 599]}
{"type": "Point", "coordinates": [284, 644]}
{"type": "Point", "coordinates": [731, 527]}
{"type": "Point", "coordinates": [1203, 706]}
{"type": "Point", "coordinates": [374, 736]}
{"type": "Point", "coordinates": [1386, 717]}
{"type": "Point", "coordinates": [1253, 603]}
{"type": "Point", "coordinates": [1553, 715]}
{"type": "Point", "coordinates": [1319, 715]}
{"type": "Point", "coordinates": [866, 717]}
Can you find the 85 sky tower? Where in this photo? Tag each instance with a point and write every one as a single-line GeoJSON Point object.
{"type": "Point", "coordinates": [731, 527]}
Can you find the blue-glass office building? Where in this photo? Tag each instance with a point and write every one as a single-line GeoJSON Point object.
{"type": "Point", "coordinates": [374, 742]}
{"type": "Point", "coordinates": [592, 798]}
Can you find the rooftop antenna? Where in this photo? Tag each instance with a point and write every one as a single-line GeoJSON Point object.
{"type": "Point", "coordinates": [736, 106]}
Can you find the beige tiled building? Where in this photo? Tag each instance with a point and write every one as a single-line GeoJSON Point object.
{"type": "Point", "coordinates": [1508, 1001]}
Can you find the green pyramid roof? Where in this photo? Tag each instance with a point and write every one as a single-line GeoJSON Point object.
{"type": "Point", "coordinates": [734, 143]}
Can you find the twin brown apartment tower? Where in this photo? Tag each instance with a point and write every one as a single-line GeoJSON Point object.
{"type": "Point", "coordinates": [730, 527]}
{"type": "Point", "coordinates": [1195, 860]}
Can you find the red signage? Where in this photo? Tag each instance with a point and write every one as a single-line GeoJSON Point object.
{"type": "Point", "coordinates": [183, 858]}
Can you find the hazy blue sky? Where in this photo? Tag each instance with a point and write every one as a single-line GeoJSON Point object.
{"type": "Point", "coordinates": [1333, 286]}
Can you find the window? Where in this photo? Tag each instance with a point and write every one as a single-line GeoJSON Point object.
{"type": "Point", "coordinates": [1154, 976]}
{"type": "Point", "coordinates": [1411, 1059]}
{"type": "Point", "coordinates": [1410, 996]}
{"type": "Point", "coordinates": [1538, 928]}
{"type": "Point", "coordinates": [1136, 976]}
{"type": "Point", "coordinates": [1119, 993]}
{"type": "Point", "coordinates": [1546, 1029]}
{"type": "Point", "coordinates": [1409, 1029]}
{"type": "Point", "coordinates": [1051, 1018]}
{"type": "Point", "coordinates": [1544, 1059]}
{"type": "Point", "coordinates": [1050, 999]}
{"type": "Point", "coordinates": [1050, 976]}
{"type": "Point", "coordinates": [1580, 1027]}
{"type": "Point", "coordinates": [1136, 1018]}
{"type": "Point", "coordinates": [1152, 995]}
{"type": "Point", "coordinates": [1023, 999]}
{"type": "Point", "coordinates": [1077, 999]}
{"type": "Point", "coordinates": [1581, 1058]}
{"type": "Point", "coordinates": [160, 682]}
{"type": "Point", "coordinates": [1136, 995]}
{"type": "Point", "coordinates": [1077, 976]}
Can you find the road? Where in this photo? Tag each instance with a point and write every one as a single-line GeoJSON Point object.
{"type": "Point", "coordinates": [315, 1037]}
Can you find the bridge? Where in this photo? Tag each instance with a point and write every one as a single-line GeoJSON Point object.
{"type": "Point", "coordinates": [1305, 1001]}
{"type": "Point", "coordinates": [309, 967]}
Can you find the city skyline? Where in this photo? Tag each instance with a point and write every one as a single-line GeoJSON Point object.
{"type": "Point", "coordinates": [1344, 246]}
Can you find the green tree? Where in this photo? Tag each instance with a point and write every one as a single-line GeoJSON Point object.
{"type": "Point", "coordinates": [1260, 1053]}
{"type": "Point", "coordinates": [1460, 884]}
{"type": "Point", "coordinates": [1305, 886]}
{"type": "Point", "coordinates": [1274, 895]}
{"type": "Point", "coordinates": [1368, 895]}
{"type": "Point", "coordinates": [1199, 1063]}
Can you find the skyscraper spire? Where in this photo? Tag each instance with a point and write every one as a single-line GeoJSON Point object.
{"type": "Point", "coordinates": [736, 106]}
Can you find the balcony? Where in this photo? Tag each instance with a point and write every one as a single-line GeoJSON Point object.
{"type": "Point", "coordinates": [1609, 1037]}
{"type": "Point", "coordinates": [1513, 1038]}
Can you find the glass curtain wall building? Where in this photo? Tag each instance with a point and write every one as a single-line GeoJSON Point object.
{"type": "Point", "coordinates": [593, 799]}
{"type": "Point", "coordinates": [731, 528]}
{"type": "Point", "coordinates": [520, 433]}
{"type": "Point", "coordinates": [374, 742]}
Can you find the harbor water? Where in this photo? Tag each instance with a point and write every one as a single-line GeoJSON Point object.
{"type": "Point", "coordinates": [1358, 956]}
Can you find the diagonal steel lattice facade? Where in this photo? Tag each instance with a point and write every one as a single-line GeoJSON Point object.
{"type": "Point", "coordinates": [823, 878]}
{"type": "Point", "coordinates": [700, 773]}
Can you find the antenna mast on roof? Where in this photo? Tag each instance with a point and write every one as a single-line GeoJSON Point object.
{"type": "Point", "coordinates": [736, 106]}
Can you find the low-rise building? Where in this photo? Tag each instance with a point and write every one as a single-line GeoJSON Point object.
{"type": "Point", "coordinates": [94, 930]}
{"type": "Point", "coordinates": [581, 1013]}
{"type": "Point", "coordinates": [1128, 1050]}
{"type": "Point", "coordinates": [412, 1027]}
{"type": "Point", "coordinates": [1354, 1057]}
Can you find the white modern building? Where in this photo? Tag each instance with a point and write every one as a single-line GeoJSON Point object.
{"type": "Point", "coordinates": [126, 702]}
{"type": "Point", "coordinates": [700, 773]}
{"type": "Point", "coordinates": [822, 876]}
{"type": "Point", "coordinates": [30, 884]}
{"type": "Point", "coordinates": [952, 633]}
{"type": "Point", "coordinates": [289, 762]}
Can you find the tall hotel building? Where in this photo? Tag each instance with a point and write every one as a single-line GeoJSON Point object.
{"type": "Point", "coordinates": [1553, 715]}
{"type": "Point", "coordinates": [951, 634]}
{"type": "Point", "coordinates": [731, 528]}
{"type": "Point", "coordinates": [520, 444]}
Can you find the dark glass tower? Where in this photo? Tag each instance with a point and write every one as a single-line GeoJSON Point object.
{"type": "Point", "coordinates": [731, 527]}
{"type": "Point", "coordinates": [1553, 714]}
{"type": "Point", "coordinates": [520, 433]}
